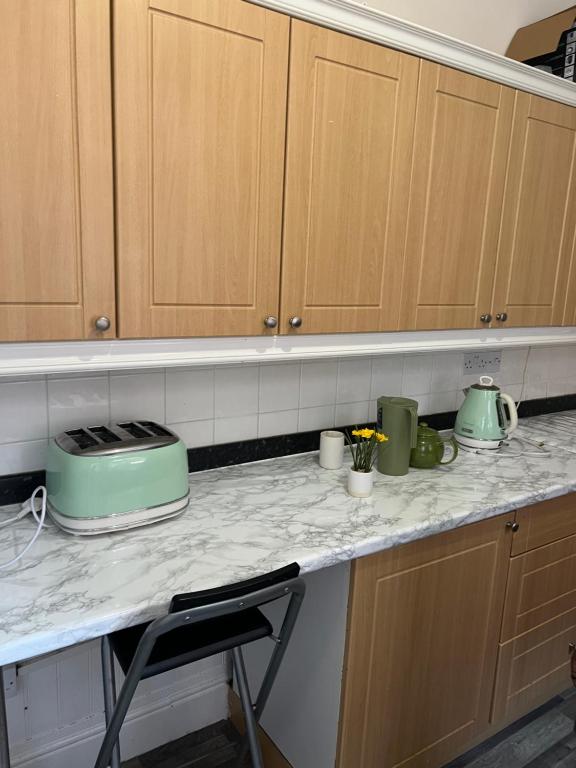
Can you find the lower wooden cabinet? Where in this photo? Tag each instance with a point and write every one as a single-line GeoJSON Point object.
{"type": "Point", "coordinates": [424, 625]}
{"type": "Point", "coordinates": [452, 637]}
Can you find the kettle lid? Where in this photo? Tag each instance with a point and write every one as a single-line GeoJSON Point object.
{"type": "Point", "coordinates": [486, 383]}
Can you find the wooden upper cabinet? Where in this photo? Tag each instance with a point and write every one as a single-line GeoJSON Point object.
{"type": "Point", "coordinates": [350, 128]}
{"type": "Point", "coordinates": [539, 214]}
{"type": "Point", "coordinates": [200, 125]}
{"type": "Point", "coordinates": [463, 129]}
{"type": "Point", "coordinates": [56, 193]}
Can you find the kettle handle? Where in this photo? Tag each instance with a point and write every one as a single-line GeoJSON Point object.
{"type": "Point", "coordinates": [512, 410]}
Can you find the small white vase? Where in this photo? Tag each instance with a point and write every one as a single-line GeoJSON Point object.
{"type": "Point", "coordinates": [360, 483]}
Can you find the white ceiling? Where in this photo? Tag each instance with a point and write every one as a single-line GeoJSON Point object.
{"type": "Point", "coordinates": [487, 23]}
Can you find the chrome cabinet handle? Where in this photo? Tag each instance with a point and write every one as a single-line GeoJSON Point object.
{"type": "Point", "coordinates": [486, 318]}
{"type": "Point", "coordinates": [270, 321]}
{"type": "Point", "coordinates": [502, 317]}
{"type": "Point", "coordinates": [571, 648]}
{"type": "Point", "coordinates": [513, 526]}
{"type": "Point", "coordinates": [102, 323]}
{"type": "Point", "coordinates": [295, 322]}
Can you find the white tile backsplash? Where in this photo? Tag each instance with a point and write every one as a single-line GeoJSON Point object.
{"type": "Point", "coordinates": [189, 395]}
{"type": "Point", "coordinates": [233, 428]}
{"type": "Point", "coordinates": [208, 405]}
{"type": "Point", "coordinates": [318, 383]}
{"type": "Point", "coordinates": [139, 396]}
{"type": "Point", "coordinates": [236, 391]}
{"type": "Point", "coordinates": [354, 379]}
{"type": "Point", "coordinates": [417, 374]}
{"type": "Point", "coordinates": [277, 423]}
{"type": "Point", "coordinates": [78, 402]}
{"type": "Point", "coordinates": [318, 417]}
{"type": "Point", "coordinates": [23, 413]}
{"type": "Point", "coordinates": [386, 376]}
{"type": "Point", "coordinates": [195, 433]}
{"type": "Point", "coordinates": [279, 387]}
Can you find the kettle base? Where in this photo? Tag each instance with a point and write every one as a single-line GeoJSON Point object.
{"type": "Point", "coordinates": [473, 444]}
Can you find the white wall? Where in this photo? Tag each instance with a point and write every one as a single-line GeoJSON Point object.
{"type": "Point", "coordinates": [487, 23]}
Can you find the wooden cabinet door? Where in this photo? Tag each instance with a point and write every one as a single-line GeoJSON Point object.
{"type": "Point", "coordinates": [539, 214]}
{"type": "Point", "coordinates": [350, 127]}
{"type": "Point", "coordinates": [424, 625]}
{"type": "Point", "coordinates": [463, 129]}
{"type": "Point", "coordinates": [56, 184]}
{"type": "Point", "coordinates": [200, 121]}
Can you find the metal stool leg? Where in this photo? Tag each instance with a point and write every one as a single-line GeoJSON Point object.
{"type": "Point", "coordinates": [275, 660]}
{"type": "Point", "coordinates": [109, 684]}
{"type": "Point", "coordinates": [4, 748]}
{"type": "Point", "coordinates": [244, 690]}
{"type": "Point", "coordinates": [126, 695]}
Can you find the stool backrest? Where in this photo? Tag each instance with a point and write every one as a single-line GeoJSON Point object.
{"type": "Point", "coordinates": [189, 600]}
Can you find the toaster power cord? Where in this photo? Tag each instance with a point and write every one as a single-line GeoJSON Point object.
{"type": "Point", "coordinates": [38, 514]}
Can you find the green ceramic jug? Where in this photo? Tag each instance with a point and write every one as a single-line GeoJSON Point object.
{"type": "Point", "coordinates": [429, 449]}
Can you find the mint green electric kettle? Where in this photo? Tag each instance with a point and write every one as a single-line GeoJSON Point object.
{"type": "Point", "coordinates": [482, 421]}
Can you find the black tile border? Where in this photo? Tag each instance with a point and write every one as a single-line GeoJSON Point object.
{"type": "Point", "coordinates": [16, 488]}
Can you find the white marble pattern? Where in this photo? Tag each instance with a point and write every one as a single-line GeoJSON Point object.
{"type": "Point", "coordinates": [248, 519]}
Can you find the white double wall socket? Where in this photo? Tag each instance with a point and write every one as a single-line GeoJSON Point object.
{"type": "Point", "coordinates": [487, 361]}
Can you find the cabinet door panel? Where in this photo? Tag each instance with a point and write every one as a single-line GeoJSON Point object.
{"type": "Point", "coordinates": [350, 126]}
{"type": "Point", "coordinates": [56, 194]}
{"type": "Point", "coordinates": [539, 214]}
{"type": "Point", "coordinates": [462, 131]}
{"type": "Point", "coordinates": [422, 646]}
{"type": "Point", "coordinates": [201, 97]}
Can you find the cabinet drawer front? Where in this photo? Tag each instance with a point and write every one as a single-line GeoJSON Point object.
{"type": "Point", "coordinates": [533, 667]}
{"type": "Point", "coordinates": [541, 586]}
{"type": "Point", "coordinates": [545, 522]}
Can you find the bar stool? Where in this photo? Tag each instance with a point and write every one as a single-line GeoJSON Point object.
{"type": "Point", "coordinates": [198, 625]}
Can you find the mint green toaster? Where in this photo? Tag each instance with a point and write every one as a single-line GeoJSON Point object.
{"type": "Point", "coordinates": [102, 479]}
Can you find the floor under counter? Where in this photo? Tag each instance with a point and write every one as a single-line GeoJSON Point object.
{"type": "Point", "coordinates": [544, 738]}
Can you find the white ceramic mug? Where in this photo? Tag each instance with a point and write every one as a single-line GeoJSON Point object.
{"type": "Point", "coordinates": [331, 449]}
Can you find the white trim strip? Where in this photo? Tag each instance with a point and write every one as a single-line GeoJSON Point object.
{"type": "Point", "coordinates": [76, 356]}
{"type": "Point", "coordinates": [356, 19]}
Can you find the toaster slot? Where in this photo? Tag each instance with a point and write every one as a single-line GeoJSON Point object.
{"type": "Point", "coordinates": [156, 429]}
{"type": "Point", "coordinates": [134, 429]}
{"type": "Point", "coordinates": [81, 438]}
{"type": "Point", "coordinates": [104, 434]}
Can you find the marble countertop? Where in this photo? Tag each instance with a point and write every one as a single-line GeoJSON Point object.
{"type": "Point", "coordinates": [248, 519]}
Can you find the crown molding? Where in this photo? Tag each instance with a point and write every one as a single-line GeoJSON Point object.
{"type": "Point", "coordinates": [88, 356]}
{"type": "Point", "coordinates": [357, 19]}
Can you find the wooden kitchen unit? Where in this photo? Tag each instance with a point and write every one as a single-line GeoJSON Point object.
{"type": "Point", "coordinates": [270, 176]}
{"type": "Point", "coordinates": [453, 637]}
{"type": "Point", "coordinates": [56, 195]}
{"type": "Point", "coordinates": [200, 122]}
{"type": "Point", "coordinates": [349, 153]}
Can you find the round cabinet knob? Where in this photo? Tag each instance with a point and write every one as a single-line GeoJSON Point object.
{"type": "Point", "coordinates": [513, 526]}
{"type": "Point", "coordinates": [295, 322]}
{"type": "Point", "coordinates": [102, 323]}
{"type": "Point", "coordinates": [485, 318]}
{"type": "Point", "coordinates": [502, 317]}
{"type": "Point", "coordinates": [270, 321]}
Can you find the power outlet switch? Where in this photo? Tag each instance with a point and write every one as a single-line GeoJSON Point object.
{"type": "Point", "coordinates": [487, 361]}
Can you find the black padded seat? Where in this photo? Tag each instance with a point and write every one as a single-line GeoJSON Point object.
{"type": "Point", "coordinates": [187, 644]}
